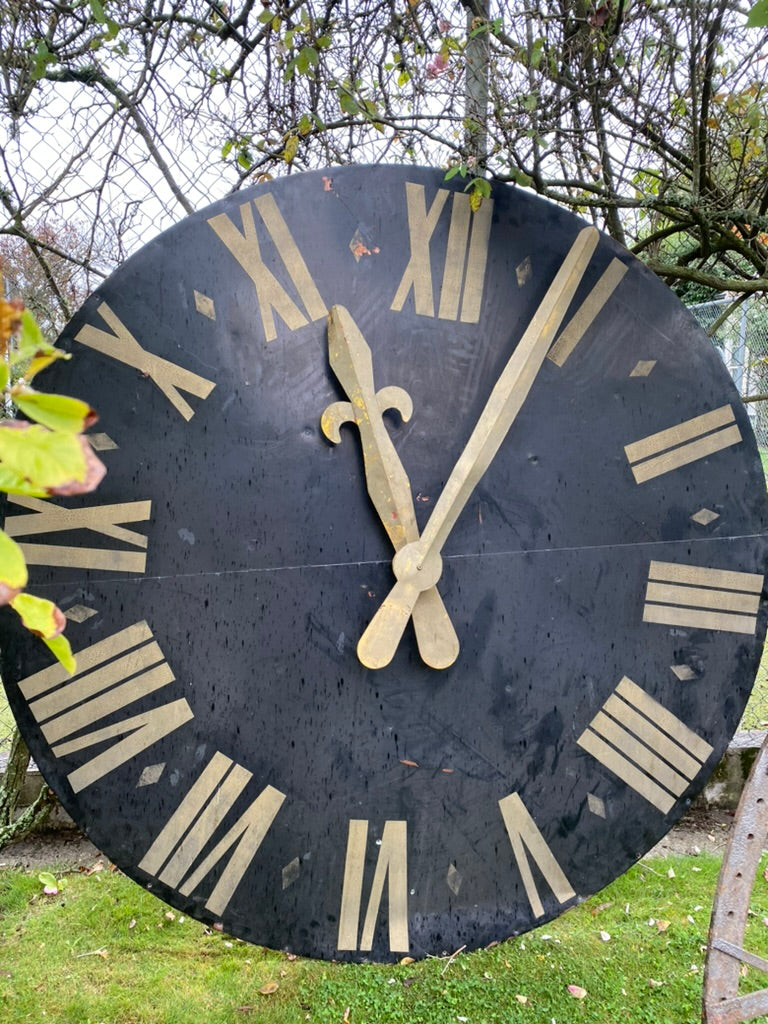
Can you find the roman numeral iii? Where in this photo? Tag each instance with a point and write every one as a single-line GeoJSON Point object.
{"type": "Point", "coordinates": [172, 856]}
{"type": "Point", "coordinates": [99, 519]}
{"type": "Point", "coordinates": [687, 442]}
{"type": "Point", "coordinates": [391, 867]}
{"type": "Point", "coordinates": [524, 835]}
{"type": "Point", "coordinates": [645, 745]}
{"type": "Point", "coordinates": [464, 260]}
{"type": "Point", "coordinates": [700, 598]}
{"type": "Point", "coordinates": [270, 293]}
{"type": "Point", "coordinates": [112, 675]}
{"type": "Point", "coordinates": [118, 343]}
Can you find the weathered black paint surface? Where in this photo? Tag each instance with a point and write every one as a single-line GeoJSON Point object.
{"type": "Point", "coordinates": [266, 561]}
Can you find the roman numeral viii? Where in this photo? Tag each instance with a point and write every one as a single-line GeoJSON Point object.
{"type": "Point", "coordinates": [687, 442]}
{"type": "Point", "coordinates": [118, 343]}
{"type": "Point", "coordinates": [464, 261]}
{"type": "Point", "coordinates": [391, 864]}
{"type": "Point", "coordinates": [647, 746]}
{"type": "Point", "coordinates": [101, 519]}
{"type": "Point", "coordinates": [270, 293]}
{"type": "Point", "coordinates": [174, 856]}
{"type": "Point", "coordinates": [691, 595]}
{"type": "Point", "coordinates": [112, 675]}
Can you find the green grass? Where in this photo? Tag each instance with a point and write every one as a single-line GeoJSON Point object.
{"type": "Point", "coordinates": [106, 951]}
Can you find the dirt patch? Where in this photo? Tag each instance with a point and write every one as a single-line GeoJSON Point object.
{"type": "Point", "coordinates": [700, 831]}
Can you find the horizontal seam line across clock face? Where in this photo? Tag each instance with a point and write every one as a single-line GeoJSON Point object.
{"type": "Point", "coordinates": [458, 557]}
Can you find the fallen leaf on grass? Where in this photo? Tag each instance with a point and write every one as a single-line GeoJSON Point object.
{"type": "Point", "coordinates": [94, 869]}
{"type": "Point", "coordinates": [577, 991]}
{"type": "Point", "coordinates": [662, 925]}
{"type": "Point", "coordinates": [407, 982]}
{"type": "Point", "coordinates": [652, 983]}
{"type": "Point", "coordinates": [406, 960]}
{"type": "Point", "coordinates": [671, 873]}
{"type": "Point", "coordinates": [521, 999]}
{"type": "Point", "coordinates": [605, 936]}
{"type": "Point", "coordinates": [269, 988]}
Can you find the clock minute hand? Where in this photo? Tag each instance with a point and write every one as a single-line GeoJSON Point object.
{"type": "Point", "coordinates": [388, 485]}
{"type": "Point", "coordinates": [418, 565]}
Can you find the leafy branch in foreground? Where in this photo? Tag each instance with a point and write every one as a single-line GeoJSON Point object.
{"type": "Point", "coordinates": [45, 454]}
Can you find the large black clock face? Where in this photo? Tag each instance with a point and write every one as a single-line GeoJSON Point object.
{"type": "Point", "coordinates": [273, 728]}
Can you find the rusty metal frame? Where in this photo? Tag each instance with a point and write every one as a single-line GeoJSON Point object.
{"type": "Point", "coordinates": [725, 951]}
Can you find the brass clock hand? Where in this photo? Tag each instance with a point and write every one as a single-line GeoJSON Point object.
{"type": "Point", "coordinates": [388, 485]}
{"type": "Point", "coordinates": [418, 564]}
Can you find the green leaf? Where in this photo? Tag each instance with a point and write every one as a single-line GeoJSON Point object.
{"type": "Point", "coordinates": [31, 338]}
{"type": "Point", "coordinates": [59, 412]}
{"type": "Point", "coordinates": [226, 149]}
{"type": "Point", "coordinates": [323, 42]}
{"type": "Point", "coordinates": [46, 878]}
{"type": "Point", "coordinates": [14, 483]}
{"type": "Point", "coordinates": [43, 457]}
{"type": "Point", "coordinates": [60, 648]}
{"type": "Point", "coordinates": [13, 567]}
{"type": "Point", "coordinates": [39, 615]}
{"type": "Point", "coordinates": [5, 374]}
{"type": "Point", "coordinates": [291, 148]}
{"type": "Point", "coordinates": [265, 16]}
{"type": "Point", "coordinates": [97, 10]}
{"type": "Point", "coordinates": [305, 124]}
{"type": "Point", "coordinates": [758, 15]}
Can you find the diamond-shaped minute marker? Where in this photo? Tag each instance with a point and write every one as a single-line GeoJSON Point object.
{"type": "Point", "coordinates": [705, 516]}
{"type": "Point", "coordinates": [523, 271]}
{"type": "Point", "coordinates": [643, 368]}
{"type": "Point", "coordinates": [291, 872]}
{"type": "Point", "coordinates": [596, 805]}
{"type": "Point", "coordinates": [454, 879]}
{"type": "Point", "coordinates": [205, 305]}
{"type": "Point", "coordinates": [151, 774]}
{"type": "Point", "coordinates": [79, 613]}
{"type": "Point", "coordinates": [102, 443]}
{"type": "Point", "coordinates": [683, 672]}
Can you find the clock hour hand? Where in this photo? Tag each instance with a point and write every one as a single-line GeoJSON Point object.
{"type": "Point", "coordinates": [418, 565]}
{"type": "Point", "coordinates": [388, 485]}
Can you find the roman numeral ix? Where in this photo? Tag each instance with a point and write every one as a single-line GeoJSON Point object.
{"type": "Point", "coordinates": [645, 745]}
{"type": "Point", "coordinates": [100, 519]}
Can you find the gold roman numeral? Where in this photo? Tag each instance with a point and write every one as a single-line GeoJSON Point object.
{"type": "Point", "coordinates": [643, 743]}
{"type": "Point", "coordinates": [173, 855]}
{"type": "Point", "coordinates": [111, 675]}
{"type": "Point", "coordinates": [524, 834]}
{"type": "Point", "coordinates": [271, 295]}
{"type": "Point", "coordinates": [691, 595]}
{"type": "Point", "coordinates": [391, 865]}
{"type": "Point", "coordinates": [687, 442]}
{"type": "Point", "coordinates": [585, 315]}
{"type": "Point", "coordinates": [465, 257]}
{"type": "Point", "coordinates": [121, 345]}
{"type": "Point", "coordinates": [103, 519]}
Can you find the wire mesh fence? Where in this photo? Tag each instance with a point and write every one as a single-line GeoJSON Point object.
{"type": "Point", "coordinates": [740, 333]}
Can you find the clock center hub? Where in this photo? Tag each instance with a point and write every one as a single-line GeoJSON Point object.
{"type": "Point", "coordinates": [412, 565]}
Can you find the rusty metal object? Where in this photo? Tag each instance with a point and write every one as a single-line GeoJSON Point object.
{"type": "Point", "coordinates": [725, 950]}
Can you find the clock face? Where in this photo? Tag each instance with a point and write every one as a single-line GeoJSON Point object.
{"type": "Point", "coordinates": [273, 727]}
